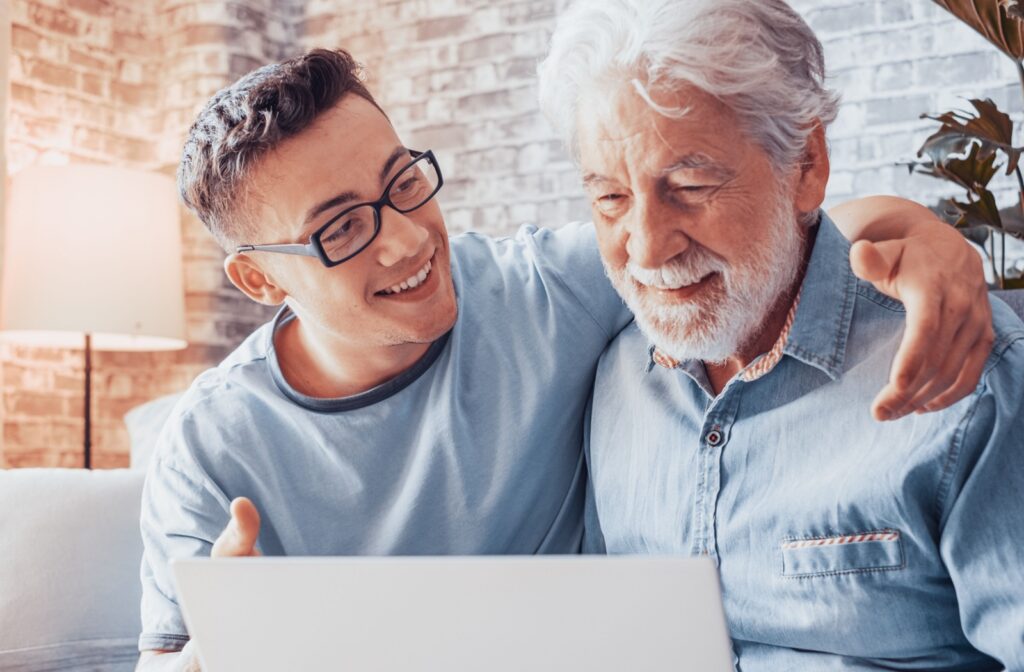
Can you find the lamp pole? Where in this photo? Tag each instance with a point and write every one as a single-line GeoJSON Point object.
{"type": "Point", "coordinates": [110, 299]}
{"type": "Point", "coordinates": [88, 401]}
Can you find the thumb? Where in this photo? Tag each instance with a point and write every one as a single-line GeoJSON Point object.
{"type": "Point", "coordinates": [877, 263]}
{"type": "Point", "coordinates": [239, 537]}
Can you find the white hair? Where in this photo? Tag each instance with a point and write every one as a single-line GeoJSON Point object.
{"type": "Point", "coordinates": [756, 56]}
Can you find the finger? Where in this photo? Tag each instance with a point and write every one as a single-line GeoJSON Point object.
{"type": "Point", "coordinates": [914, 363]}
{"type": "Point", "coordinates": [949, 370]}
{"type": "Point", "coordinates": [877, 262]}
{"type": "Point", "coordinates": [971, 345]}
{"type": "Point", "coordinates": [240, 535]}
{"type": "Point", "coordinates": [970, 374]}
{"type": "Point", "coordinates": [190, 657]}
{"type": "Point", "coordinates": [961, 324]}
{"type": "Point", "coordinates": [972, 315]}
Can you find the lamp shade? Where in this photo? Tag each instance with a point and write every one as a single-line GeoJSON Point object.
{"type": "Point", "coordinates": [92, 249]}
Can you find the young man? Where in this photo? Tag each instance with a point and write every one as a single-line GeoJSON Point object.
{"type": "Point", "coordinates": [415, 395]}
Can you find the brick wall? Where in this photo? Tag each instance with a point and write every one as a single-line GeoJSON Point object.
{"type": "Point", "coordinates": [118, 81]}
{"type": "Point", "coordinates": [458, 77]}
{"type": "Point", "coordinates": [893, 60]}
{"type": "Point", "coordinates": [5, 47]}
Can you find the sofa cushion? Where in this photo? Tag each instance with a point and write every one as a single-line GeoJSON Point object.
{"type": "Point", "coordinates": [1015, 299]}
{"type": "Point", "coordinates": [144, 425]}
{"type": "Point", "coordinates": [69, 573]}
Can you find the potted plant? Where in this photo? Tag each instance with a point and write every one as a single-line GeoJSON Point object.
{"type": "Point", "coordinates": [972, 146]}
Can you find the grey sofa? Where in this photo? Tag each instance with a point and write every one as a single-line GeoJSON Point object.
{"type": "Point", "coordinates": [69, 589]}
{"type": "Point", "coordinates": [69, 592]}
{"type": "Point", "coordinates": [69, 560]}
{"type": "Point", "coordinates": [1015, 299]}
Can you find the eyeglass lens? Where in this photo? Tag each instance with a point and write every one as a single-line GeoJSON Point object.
{"type": "Point", "coordinates": [351, 232]}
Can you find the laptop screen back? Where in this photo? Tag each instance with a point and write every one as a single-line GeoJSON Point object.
{"type": "Point", "coordinates": [455, 614]}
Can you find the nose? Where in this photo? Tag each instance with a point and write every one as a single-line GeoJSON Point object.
{"type": "Point", "coordinates": [400, 237]}
{"type": "Point", "coordinates": [655, 235]}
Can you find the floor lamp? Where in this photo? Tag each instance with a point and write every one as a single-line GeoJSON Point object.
{"type": "Point", "coordinates": [92, 260]}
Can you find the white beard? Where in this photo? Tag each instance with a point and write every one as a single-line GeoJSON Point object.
{"type": "Point", "coordinates": [710, 326]}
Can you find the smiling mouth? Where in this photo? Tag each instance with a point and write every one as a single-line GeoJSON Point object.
{"type": "Point", "coordinates": [683, 291]}
{"type": "Point", "coordinates": [410, 283]}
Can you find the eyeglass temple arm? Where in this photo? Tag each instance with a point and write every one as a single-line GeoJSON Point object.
{"type": "Point", "coordinates": [303, 250]}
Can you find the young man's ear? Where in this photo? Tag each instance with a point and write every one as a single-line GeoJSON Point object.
{"type": "Point", "coordinates": [252, 280]}
{"type": "Point", "coordinates": [814, 172]}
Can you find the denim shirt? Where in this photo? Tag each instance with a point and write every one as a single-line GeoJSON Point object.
{"type": "Point", "coordinates": [842, 542]}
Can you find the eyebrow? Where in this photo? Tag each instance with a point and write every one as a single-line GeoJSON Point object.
{"type": "Point", "coordinates": [698, 161]}
{"type": "Point", "coordinates": [592, 178]}
{"type": "Point", "coordinates": [695, 161]}
{"type": "Point", "coordinates": [348, 196]}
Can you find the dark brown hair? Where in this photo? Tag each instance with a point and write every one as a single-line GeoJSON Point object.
{"type": "Point", "coordinates": [242, 122]}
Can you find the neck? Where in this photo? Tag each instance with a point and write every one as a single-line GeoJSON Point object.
{"type": "Point", "coordinates": [720, 373]}
{"type": "Point", "coordinates": [319, 364]}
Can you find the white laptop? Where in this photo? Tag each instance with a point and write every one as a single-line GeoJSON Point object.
{"type": "Point", "coordinates": [455, 614]}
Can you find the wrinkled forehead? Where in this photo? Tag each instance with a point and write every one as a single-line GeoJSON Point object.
{"type": "Point", "coordinates": [620, 129]}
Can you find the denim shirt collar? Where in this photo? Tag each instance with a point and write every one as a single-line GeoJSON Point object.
{"type": "Point", "coordinates": [827, 298]}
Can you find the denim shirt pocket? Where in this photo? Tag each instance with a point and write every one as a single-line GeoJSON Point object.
{"type": "Point", "coordinates": [860, 552]}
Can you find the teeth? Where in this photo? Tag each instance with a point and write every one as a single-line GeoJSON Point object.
{"type": "Point", "coordinates": [688, 283]}
{"type": "Point", "coordinates": [410, 283]}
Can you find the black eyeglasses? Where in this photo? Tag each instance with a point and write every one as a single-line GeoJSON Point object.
{"type": "Point", "coordinates": [352, 230]}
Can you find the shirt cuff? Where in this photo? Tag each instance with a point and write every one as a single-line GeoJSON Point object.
{"type": "Point", "coordinates": [162, 642]}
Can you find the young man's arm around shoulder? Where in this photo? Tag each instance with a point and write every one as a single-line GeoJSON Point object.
{"type": "Point", "coordinates": [237, 540]}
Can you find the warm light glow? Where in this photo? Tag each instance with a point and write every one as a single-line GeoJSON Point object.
{"type": "Point", "coordinates": [93, 249]}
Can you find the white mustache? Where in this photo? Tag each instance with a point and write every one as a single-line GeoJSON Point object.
{"type": "Point", "coordinates": [687, 269]}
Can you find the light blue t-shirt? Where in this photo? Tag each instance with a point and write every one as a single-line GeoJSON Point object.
{"type": "Point", "coordinates": [477, 449]}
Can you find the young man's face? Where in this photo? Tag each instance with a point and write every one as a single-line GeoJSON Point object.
{"type": "Point", "coordinates": [351, 150]}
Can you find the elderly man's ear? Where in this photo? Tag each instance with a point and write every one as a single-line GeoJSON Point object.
{"type": "Point", "coordinates": [252, 280]}
{"type": "Point", "coordinates": [814, 172]}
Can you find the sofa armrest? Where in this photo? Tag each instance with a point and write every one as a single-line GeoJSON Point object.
{"type": "Point", "coordinates": [69, 573]}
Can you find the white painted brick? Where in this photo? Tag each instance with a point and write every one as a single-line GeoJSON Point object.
{"type": "Point", "coordinates": [459, 75]}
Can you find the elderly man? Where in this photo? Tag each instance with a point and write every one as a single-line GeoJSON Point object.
{"type": "Point", "coordinates": [415, 394]}
{"type": "Point", "coordinates": [730, 420]}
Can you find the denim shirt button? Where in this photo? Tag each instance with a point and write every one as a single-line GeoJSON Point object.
{"type": "Point", "coordinates": [714, 437]}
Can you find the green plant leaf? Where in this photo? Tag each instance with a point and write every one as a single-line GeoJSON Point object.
{"type": "Point", "coordinates": [993, 19]}
{"type": "Point", "coordinates": [972, 172]}
{"type": "Point", "coordinates": [988, 125]}
{"type": "Point", "coordinates": [945, 211]}
{"type": "Point", "coordinates": [943, 144]}
{"type": "Point", "coordinates": [982, 212]}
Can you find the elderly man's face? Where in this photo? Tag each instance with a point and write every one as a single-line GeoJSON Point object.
{"type": "Point", "coordinates": [698, 230]}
